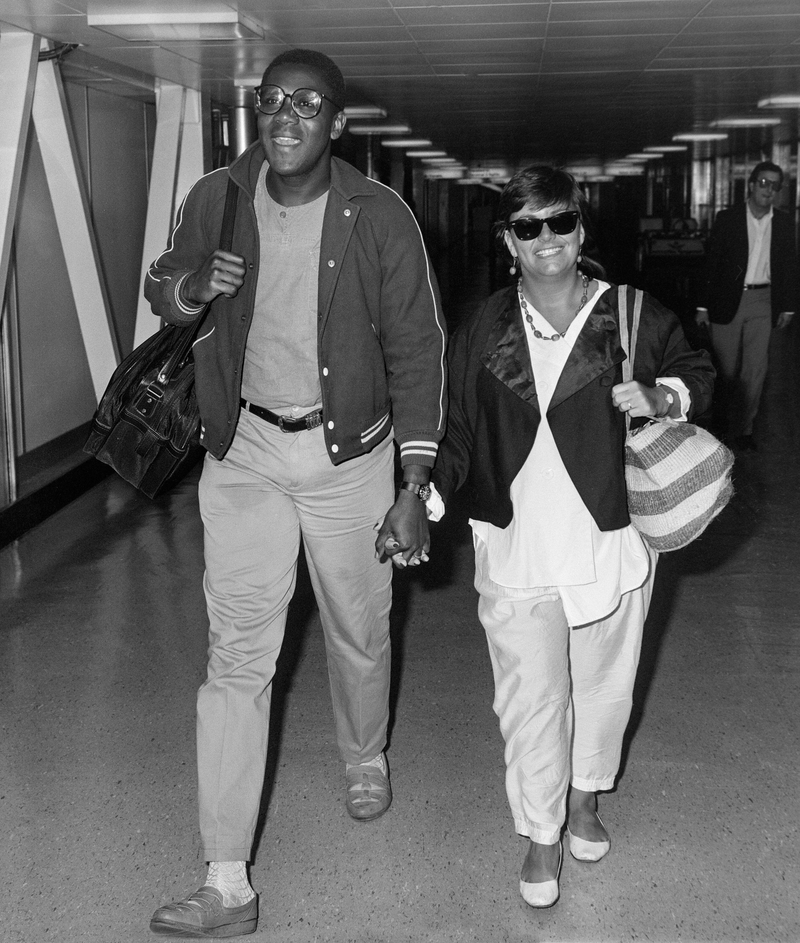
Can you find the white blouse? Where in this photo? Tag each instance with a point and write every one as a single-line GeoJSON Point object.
{"type": "Point", "coordinates": [552, 540]}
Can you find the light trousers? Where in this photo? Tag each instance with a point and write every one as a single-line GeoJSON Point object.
{"type": "Point", "coordinates": [742, 351]}
{"type": "Point", "coordinates": [563, 696]}
{"type": "Point", "coordinates": [269, 490]}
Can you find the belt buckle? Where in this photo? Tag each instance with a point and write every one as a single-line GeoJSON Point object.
{"type": "Point", "coordinates": [282, 427]}
{"type": "Point", "coordinates": [313, 420]}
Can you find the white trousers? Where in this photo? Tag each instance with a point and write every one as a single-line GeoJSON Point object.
{"type": "Point", "coordinates": [269, 490]}
{"type": "Point", "coordinates": [563, 696]}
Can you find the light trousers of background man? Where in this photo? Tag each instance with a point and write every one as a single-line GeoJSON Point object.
{"type": "Point", "coordinates": [563, 696]}
{"type": "Point", "coordinates": [270, 489]}
{"type": "Point", "coordinates": [742, 352]}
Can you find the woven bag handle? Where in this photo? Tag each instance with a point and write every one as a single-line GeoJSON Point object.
{"type": "Point", "coordinates": [628, 340]}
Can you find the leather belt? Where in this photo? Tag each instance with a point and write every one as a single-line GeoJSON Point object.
{"type": "Point", "coordinates": [760, 285]}
{"type": "Point", "coordinates": [284, 423]}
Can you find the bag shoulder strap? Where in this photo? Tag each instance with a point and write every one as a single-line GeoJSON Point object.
{"type": "Point", "coordinates": [229, 215]}
{"type": "Point", "coordinates": [628, 336]}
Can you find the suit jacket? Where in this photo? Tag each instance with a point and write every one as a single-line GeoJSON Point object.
{"type": "Point", "coordinates": [726, 265]}
{"type": "Point", "coordinates": [494, 408]}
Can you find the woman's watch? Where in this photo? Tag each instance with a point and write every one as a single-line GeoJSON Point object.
{"type": "Point", "coordinates": [670, 401]}
{"type": "Point", "coordinates": [423, 492]}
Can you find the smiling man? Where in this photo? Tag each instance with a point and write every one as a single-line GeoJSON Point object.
{"type": "Point", "coordinates": [323, 346]}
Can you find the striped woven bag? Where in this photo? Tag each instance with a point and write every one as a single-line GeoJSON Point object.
{"type": "Point", "coordinates": [678, 475]}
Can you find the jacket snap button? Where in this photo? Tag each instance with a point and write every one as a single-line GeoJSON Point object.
{"type": "Point", "coordinates": [347, 212]}
{"type": "Point", "coordinates": [331, 263]}
{"type": "Point", "coordinates": [334, 448]}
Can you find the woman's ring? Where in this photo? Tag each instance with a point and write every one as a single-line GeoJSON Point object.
{"type": "Point", "coordinates": [627, 406]}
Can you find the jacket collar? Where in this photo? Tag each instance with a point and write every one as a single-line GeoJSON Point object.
{"type": "Point", "coordinates": [345, 179]}
{"type": "Point", "coordinates": [596, 349]}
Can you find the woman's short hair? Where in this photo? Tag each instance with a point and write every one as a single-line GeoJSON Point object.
{"type": "Point", "coordinates": [319, 62]}
{"type": "Point", "coordinates": [540, 186]}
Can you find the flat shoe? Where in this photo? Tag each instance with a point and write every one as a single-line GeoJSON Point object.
{"type": "Point", "coordinates": [585, 850]}
{"type": "Point", "coordinates": [544, 893]}
{"type": "Point", "coordinates": [204, 915]}
{"type": "Point", "coordinates": [369, 792]}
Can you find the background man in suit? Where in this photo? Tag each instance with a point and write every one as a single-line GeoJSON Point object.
{"type": "Point", "coordinates": [750, 287]}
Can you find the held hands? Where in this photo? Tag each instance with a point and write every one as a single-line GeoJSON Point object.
{"type": "Point", "coordinates": [784, 319]}
{"type": "Point", "coordinates": [403, 535]}
{"type": "Point", "coordinates": [222, 273]}
{"type": "Point", "coordinates": [636, 399]}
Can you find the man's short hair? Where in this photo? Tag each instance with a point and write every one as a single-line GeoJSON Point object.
{"type": "Point", "coordinates": [759, 169]}
{"type": "Point", "coordinates": [317, 61]}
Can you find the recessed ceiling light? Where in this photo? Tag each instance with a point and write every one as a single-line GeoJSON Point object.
{"type": "Point", "coordinates": [700, 136]}
{"type": "Point", "coordinates": [378, 128]}
{"type": "Point", "coordinates": [407, 142]}
{"type": "Point", "coordinates": [780, 101]}
{"type": "Point", "coordinates": [745, 122]}
{"type": "Point", "coordinates": [199, 20]}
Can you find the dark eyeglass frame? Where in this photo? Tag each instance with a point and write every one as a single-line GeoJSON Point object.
{"type": "Point", "coordinates": [303, 92]}
{"type": "Point", "coordinates": [771, 184]}
{"type": "Point", "coordinates": [560, 224]}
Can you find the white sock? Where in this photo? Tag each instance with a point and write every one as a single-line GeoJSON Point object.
{"type": "Point", "coordinates": [230, 879]}
{"type": "Point", "coordinates": [379, 761]}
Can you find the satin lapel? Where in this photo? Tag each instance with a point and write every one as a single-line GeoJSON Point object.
{"type": "Point", "coordinates": [506, 354]}
{"type": "Point", "coordinates": [596, 350]}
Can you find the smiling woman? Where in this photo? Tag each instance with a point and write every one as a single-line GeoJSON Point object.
{"type": "Point", "coordinates": [536, 428]}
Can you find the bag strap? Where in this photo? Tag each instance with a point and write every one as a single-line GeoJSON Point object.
{"type": "Point", "coordinates": [181, 352]}
{"type": "Point", "coordinates": [228, 216]}
{"type": "Point", "coordinates": [628, 336]}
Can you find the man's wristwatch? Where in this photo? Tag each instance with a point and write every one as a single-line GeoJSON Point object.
{"type": "Point", "coordinates": [423, 492]}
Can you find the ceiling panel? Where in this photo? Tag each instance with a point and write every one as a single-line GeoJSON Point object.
{"type": "Point", "coordinates": [484, 80]}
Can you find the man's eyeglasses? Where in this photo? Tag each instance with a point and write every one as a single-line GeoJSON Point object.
{"type": "Point", "coordinates": [306, 102]}
{"type": "Point", "coordinates": [529, 228]}
{"type": "Point", "coordinates": [766, 184]}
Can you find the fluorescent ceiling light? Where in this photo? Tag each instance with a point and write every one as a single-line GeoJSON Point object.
{"type": "Point", "coordinates": [179, 21]}
{"type": "Point", "coordinates": [407, 142]}
{"type": "Point", "coordinates": [378, 128]}
{"type": "Point", "coordinates": [439, 160]}
{"type": "Point", "coordinates": [700, 136]}
{"type": "Point", "coordinates": [600, 178]}
{"type": "Point", "coordinates": [745, 122]}
{"type": "Point", "coordinates": [364, 111]}
{"type": "Point", "coordinates": [644, 155]}
{"type": "Point", "coordinates": [780, 101]}
{"type": "Point", "coordinates": [426, 153]}
{"type": "Point", "coordinates": [667, 149]}
{"type": "Point", "coordinates": [622, 170]}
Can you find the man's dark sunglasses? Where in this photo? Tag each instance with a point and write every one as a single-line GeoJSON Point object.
{"type": "Point", "coordinates": [560, 225]}
{"type": "Point", "coordinates": [766, 184]}
{"type": "Point", "coordinates": [306, 102]}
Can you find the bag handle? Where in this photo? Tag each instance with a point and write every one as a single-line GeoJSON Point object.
{"type": "Point", "coordinates": [628, 340]}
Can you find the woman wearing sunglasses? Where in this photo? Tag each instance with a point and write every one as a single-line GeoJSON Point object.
{"type": "Point", "coordinates": [536, 432]}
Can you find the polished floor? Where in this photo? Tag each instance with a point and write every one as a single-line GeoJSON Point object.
{"type": "Point", "coordinates": [102, 647]}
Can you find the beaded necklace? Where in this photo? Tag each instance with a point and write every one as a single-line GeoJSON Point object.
{"type": "Point", "coordinates": [554, 337]}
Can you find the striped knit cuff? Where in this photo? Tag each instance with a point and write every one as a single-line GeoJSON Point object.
{"type": "Point", "coordinates": [183, 306]}
{"type": "Point", "coordinates": [418, 452]}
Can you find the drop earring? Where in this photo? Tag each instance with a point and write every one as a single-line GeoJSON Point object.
{"type": "Point", "coordinates": [513, 269]}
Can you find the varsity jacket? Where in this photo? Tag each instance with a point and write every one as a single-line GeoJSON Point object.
{"type": "Point", "coordinates": [494, 410]}
{"type": "Point", "coordinates": [726, 266]}
{"type": "Point", "coordinates": [381, 333]}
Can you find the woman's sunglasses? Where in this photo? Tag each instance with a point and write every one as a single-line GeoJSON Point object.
{"type": "Point", "coordinates": [560, 225]}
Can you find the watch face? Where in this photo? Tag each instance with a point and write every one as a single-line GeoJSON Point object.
{"type": "Point", "coordinates": [424, 492]}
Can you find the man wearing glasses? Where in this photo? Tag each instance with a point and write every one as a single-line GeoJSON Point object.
{"type": "Point", "coordinates": [750, 287]}
{"type": "Point", "coordinates": [323, 346]}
